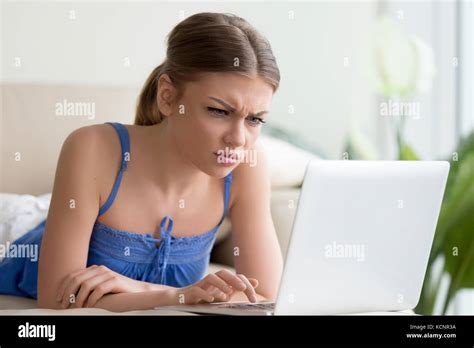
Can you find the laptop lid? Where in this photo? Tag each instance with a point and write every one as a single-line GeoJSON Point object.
{"type": "Point", "coordinates": [362, 236]}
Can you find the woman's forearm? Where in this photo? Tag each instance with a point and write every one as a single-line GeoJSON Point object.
{"type": "Point", "coordinates": [157, 296]}
{"type": "Point", "coordinates": [133, 301]}
{"type": "Point", "coordinates": [124, 302]}
{"type": "Point", "coordinates": [154, 287]}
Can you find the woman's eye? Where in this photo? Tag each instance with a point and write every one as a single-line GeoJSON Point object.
{"type": "Point", "coordinates": [218, 112]}
{"type": "Point", "coordinates": [256, 121]}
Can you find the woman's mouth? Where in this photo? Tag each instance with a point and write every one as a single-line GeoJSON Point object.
{"type": "Point", "coordinates": [226, 158]}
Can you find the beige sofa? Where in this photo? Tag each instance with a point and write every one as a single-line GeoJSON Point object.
{"type": "Point", "coordinates": [32, 131]}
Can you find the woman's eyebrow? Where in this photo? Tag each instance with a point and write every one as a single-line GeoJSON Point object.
{"type": "Point", "coordinates": [232, 109]}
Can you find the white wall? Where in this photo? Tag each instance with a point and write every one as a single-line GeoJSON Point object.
{"type": "Point", "coordinates": [446, 111]}
{"type": "Point", "coordinates": [89, 43]}
{"type": "Point", "coordinates": [466, 71]}
{"type": "Point", "coordinates": [433, 133]}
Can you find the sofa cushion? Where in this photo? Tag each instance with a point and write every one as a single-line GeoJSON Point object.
{"type": "Point", "coordinates": [287, 163]}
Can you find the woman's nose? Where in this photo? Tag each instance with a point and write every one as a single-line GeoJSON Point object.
{"type": "Point", "coordinates": [236, 135]}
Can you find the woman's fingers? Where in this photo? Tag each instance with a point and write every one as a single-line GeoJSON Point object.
{"type": "Point", "coordinates": [217, 282]}
{"type": "Point", "coordinates": [100, 290]}
{"type": "Point", "coordinates": [74, 283]}
{"type": "Point", "coordinates": [232, 280]}
{"type": "Point", "coordinates": [66, 280]}
{"type": "Point", "coordinates": [218, 287]}
{"type": "Point", "coordinates": [220, 296]}
{"type": "Point", "coordinates": [249, 291]}
{"type": "Point", "coordinates": [240, 282]}
{"type": "Point", "coordinates": [197, 294]}
{"type": "Point", "coordinates": [88, 287]}
{"type": "Point", "coordinates": [254, 282]}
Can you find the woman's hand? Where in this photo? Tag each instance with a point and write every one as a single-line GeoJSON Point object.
{"type": "Point", "coordinates": [85, 287]}
{"type": "Point", "coordinates": [217, 287]}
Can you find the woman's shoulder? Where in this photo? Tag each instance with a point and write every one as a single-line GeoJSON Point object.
{"type": "Point", "coordinates": [253, 165]}
{"type": "Point", "coordinates": [96, 134]}
{"type": "Point", "coordinates": [96, 147]}
{"type": "Point", "coordinates": [252, 174]}
{"type": "Point", "coordinates": [102, 139]}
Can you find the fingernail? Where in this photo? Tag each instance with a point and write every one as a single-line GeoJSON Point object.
{"type": "Point", "coordinates": [253, 298]}
{"type": "Point", "coordinates": [227, 289]}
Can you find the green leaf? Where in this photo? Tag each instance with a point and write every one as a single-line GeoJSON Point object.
{"type": "Point", "coordinates": [458, 201]}
{"type": "Point", "coordinates": [459, 253]}
{"type": "Point", "coordinates": [465, 148]}
{"type": "Point", "coordinates": [459, 226]}
{"type": "Point", "coordinates": [455, 228]}
{"type": "Point", "coordinates": [407, 153]}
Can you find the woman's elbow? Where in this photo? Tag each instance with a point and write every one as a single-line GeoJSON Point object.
{"type": "Point", "coordinates": [47, 302]}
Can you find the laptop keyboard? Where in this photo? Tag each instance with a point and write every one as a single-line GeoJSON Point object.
{"type": "Point", "coordinates": [264, 306]}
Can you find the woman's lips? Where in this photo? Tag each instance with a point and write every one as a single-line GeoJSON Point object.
{"type": "Point", "coordinates": [223, 158]}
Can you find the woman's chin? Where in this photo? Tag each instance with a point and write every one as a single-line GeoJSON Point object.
{"type": "Point", "coordinates": [219, 171]}
{"type": "Point", "coordinates": [215, 169]}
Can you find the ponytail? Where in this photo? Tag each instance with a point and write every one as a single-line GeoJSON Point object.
{"type": "Point", "coordinates": [147, 112]}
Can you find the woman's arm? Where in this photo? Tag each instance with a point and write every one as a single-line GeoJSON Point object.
{"type": "Point", "coordinates": [257, 253]}
{"type": "Point", "coordinates": [72, 212]}
{"type": "Point", "coordinates": [168, 296]}
{"type": "Point", "coordinates": [133, 301]}
{"type": "Point", "coordinates": [224, 282]}
{"type": "Point", "coordinates": [214, 287]}
{"type": "Point", "coordinates": [124, 302]}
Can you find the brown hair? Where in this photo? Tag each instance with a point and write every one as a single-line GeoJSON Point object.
{"type": "Point", "coordinates": [208, 42]}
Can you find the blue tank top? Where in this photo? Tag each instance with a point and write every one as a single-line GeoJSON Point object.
{"type": "Point", "coordinates": [169, 260]}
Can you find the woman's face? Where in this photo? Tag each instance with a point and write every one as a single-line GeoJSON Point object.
{"type": "Point", "coordinates": [217, 120]}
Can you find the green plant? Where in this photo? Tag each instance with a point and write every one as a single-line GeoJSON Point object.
{"type": "Point", "coordinates": [454, 237]}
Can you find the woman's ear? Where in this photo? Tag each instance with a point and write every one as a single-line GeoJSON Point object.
{"type": "Point", "coordinates": [165, 95]}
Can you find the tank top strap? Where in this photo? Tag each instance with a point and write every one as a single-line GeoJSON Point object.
{"type": "Point", "coordinates": [228, 182]}
{"type": "Point", "coordinates": [125, 148]}
{"type": "Point", "coordinates": [124, 142]}
{"type": "Point", "coordinates": [227, 185]}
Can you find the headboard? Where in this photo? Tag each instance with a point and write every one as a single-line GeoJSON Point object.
{"type": "Point", "coordinates": [36, 119]}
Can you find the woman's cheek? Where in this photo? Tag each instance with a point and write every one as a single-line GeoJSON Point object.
{"type": "Point", "coordinates": [252, 137]}
{"type": "Point", "coordinates": [211, 130]}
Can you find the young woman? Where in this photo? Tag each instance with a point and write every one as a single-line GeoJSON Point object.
{"type": "Point", "coordinates": [135, 208]}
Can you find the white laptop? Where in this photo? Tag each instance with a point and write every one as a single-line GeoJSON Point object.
{"type": "Point", "coordinates": [360, 243]}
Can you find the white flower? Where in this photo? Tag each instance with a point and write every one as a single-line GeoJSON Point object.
{"type": "Point", "coordinates": [404, 64]}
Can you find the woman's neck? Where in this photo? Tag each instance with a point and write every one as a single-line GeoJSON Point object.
{"type": "Point", "coordinates": [173, 173]}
